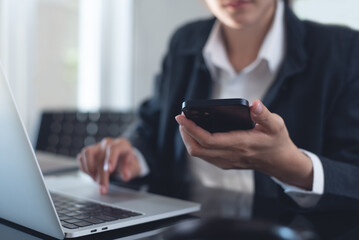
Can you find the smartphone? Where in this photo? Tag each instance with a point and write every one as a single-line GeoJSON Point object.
{"type": "Point", "coordinates": [219, 115]}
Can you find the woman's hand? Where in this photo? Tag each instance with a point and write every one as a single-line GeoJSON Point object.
{"type": "Point", "coordinates": [110, 155]}
{"type": "Point", "coordinates": [266, 148]}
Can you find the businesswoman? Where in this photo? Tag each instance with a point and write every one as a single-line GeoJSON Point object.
{"type": "Point", "coordinates": [302, 80]}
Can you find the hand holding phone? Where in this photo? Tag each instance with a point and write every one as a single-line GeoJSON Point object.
{"type": "Point", "coordinates": [219, 115]}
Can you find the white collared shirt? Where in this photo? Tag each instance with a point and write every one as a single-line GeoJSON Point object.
{"type": "Point", "coordinates": [251, 83]}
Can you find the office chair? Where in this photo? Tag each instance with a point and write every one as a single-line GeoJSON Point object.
{"type": "Point", "coordinates": [67, 132]}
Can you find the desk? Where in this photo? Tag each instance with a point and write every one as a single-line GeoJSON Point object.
{"type": "Point", "coordinates": [215, 202]}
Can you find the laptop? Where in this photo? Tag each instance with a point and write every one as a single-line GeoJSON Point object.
{"type": "Point", "coordinates": [69, 205]}
{"type": "Point", "coordinates": [51, 163]}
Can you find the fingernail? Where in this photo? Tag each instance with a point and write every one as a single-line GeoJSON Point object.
{"type": "Point", "coordinates": [128, 174]}
{"type": "Point", "coordinates": [179, 120]}
{"type": "Point", "coordinates": [103, 190]}
{"type": "Point", "coordinates": [258, 108]}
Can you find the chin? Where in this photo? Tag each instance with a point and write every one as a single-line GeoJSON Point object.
{"type": "Point", "coordinates": [236, 24]}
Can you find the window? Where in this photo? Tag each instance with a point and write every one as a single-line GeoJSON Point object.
{"type": "Point", "coordinates": [329, 11]}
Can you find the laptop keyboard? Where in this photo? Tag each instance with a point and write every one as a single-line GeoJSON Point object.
{"type": "Point", "coordinates": [75, 213]}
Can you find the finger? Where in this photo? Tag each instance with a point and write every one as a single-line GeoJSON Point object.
{"type": "Point", "coordinates": [197, 150]}
{"type": "Point", "coordinates": [111, 157]}
{"type": "Point", "coordinates": [213, 140]}
{"type": "Point", "coordinates": [103, 179]}
{"type": "Point", "coordinates": [133, 166]}
{"type": "Point", "coordinates": [91, 157]}
{"type": "Point", "coordinates": [80, 160]}
{"type": "Point", "coordinates": [129, 167]}
{"type": "Point", "coordinates": [83, 161]}
{"type": "Point", "coordinates": [103, 170]}
{"type": "Point", "coordinates": [189, 124]}
{"type": "Point", "coordinates": [112, 152]}
{"type": "Point", "coordinates": [262, 116]}
{"type": "Point", "coordinates": [217, 157]}
{"type": "Point", "coordinates": [191, 144]}
{"type": "Point", "coordinates": [118, 148]}
{"type": "Point", "coordinates": [192, 129]}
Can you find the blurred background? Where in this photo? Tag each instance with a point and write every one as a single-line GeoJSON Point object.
{"type": "Point", "coordinates": [103, 54]}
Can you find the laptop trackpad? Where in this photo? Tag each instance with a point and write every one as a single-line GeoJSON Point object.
{"type": "Point", "coordinates": [82, 186]}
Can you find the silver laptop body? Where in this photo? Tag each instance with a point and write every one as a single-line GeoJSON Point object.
{"type": "Point", "coordinates": [51, 163]}
{"type": "Point", "coordinates": [25, 199]}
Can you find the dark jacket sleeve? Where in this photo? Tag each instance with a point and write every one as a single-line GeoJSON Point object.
{"type": "Point", "coordinates": [340, 157]}
{"type": "Point", "coordinates": [331, 128]}
{"type": "Point", "coordinates": [143, 134]}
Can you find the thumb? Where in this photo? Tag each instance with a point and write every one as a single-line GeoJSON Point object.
{"type": "Point", "coordinates": [262, 116]}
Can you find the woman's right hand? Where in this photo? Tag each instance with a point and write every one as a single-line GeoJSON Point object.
{"type": "Point", "coordinates": [109, 156]}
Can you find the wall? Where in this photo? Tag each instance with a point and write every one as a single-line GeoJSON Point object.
{"type": "Point", "coordinates": [154, 22]}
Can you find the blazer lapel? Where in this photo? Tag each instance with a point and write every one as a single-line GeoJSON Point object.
{"type": "Point", "coordinates": [293, 64]}
{"type": "Point", "coordinates": [295, 57]}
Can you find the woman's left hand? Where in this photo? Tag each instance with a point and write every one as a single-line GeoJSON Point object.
{"type": "Point", "coordinates": [266, 148]}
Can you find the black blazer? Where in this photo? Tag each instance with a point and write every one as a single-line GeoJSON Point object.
{"type": "Point", "coordinates": [316, 93]}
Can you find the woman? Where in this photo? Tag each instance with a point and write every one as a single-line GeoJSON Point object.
{"type": "Point", "coordinates": [306, 141]}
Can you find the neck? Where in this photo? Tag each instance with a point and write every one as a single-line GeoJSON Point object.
{"type": "Point", "coordinates": [243, 45]}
